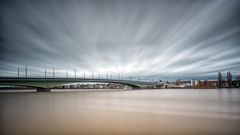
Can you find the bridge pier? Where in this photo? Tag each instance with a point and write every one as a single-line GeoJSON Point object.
{"type": "Point", "coordinates": [43, 90]}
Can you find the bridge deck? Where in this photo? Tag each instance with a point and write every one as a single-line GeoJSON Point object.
{"type": "Point", "coordinates": [47, 83]}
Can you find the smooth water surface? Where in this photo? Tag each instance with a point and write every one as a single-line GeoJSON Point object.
{"type": "Point", "coordinates": [165, 111]}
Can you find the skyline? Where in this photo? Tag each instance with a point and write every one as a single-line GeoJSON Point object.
{"type": "Point", "coordinates": [157, 39]}
{"type": "Point", "coordinates": [26, 72]}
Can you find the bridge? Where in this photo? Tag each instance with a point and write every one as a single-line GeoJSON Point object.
{"type": "Point", "coordinates": [46, 84]}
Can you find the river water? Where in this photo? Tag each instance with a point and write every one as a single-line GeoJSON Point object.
{"type": "Point", "coordinates": [107, 112]}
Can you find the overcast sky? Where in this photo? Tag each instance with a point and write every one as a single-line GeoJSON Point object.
{"type": "Point", "coordinates": [162, 39]}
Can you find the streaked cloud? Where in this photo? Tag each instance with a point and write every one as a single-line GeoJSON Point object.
{"type": "Point", "coordinates": [159, 39]}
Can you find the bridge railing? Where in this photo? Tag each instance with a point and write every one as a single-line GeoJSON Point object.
{"type": "Point", "coordinates": [60, 73]}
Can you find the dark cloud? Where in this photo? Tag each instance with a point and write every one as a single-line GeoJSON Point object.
{"type": "Point", "coordinates": [161, 39]}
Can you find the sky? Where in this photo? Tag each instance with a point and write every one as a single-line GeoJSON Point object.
{"type": "Point", "coordinates": [167, 39]}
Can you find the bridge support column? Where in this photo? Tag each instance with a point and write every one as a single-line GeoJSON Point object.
{"type": "Point", "coordinates": [43, 90]}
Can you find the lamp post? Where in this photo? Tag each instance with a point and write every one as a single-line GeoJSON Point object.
{"type": "Point", "coordinates": [18, 72]}
{"type": "Point", "coordinates": [45, 73]}
{"type": "Point", "coordinates": [26, 71]}
{"type": "Point", "coordinates": [75, 73]}
{"type": "Point", "coordinates": [66, 73]}
{"type": "Point", "coordinates": [53, 73]}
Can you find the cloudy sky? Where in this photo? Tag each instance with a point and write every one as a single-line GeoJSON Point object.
{"type": "Point", "coordinates": [160, 39]}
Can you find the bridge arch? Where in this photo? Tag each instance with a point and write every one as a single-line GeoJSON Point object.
{"type": "Point", "coordinates": [47, 83]}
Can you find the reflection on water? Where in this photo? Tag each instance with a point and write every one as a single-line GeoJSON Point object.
{"type": "Point", "coordinates": [176, 111]}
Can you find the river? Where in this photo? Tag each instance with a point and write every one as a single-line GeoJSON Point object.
{"type": "Point", "coordinates": [113, 112]}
